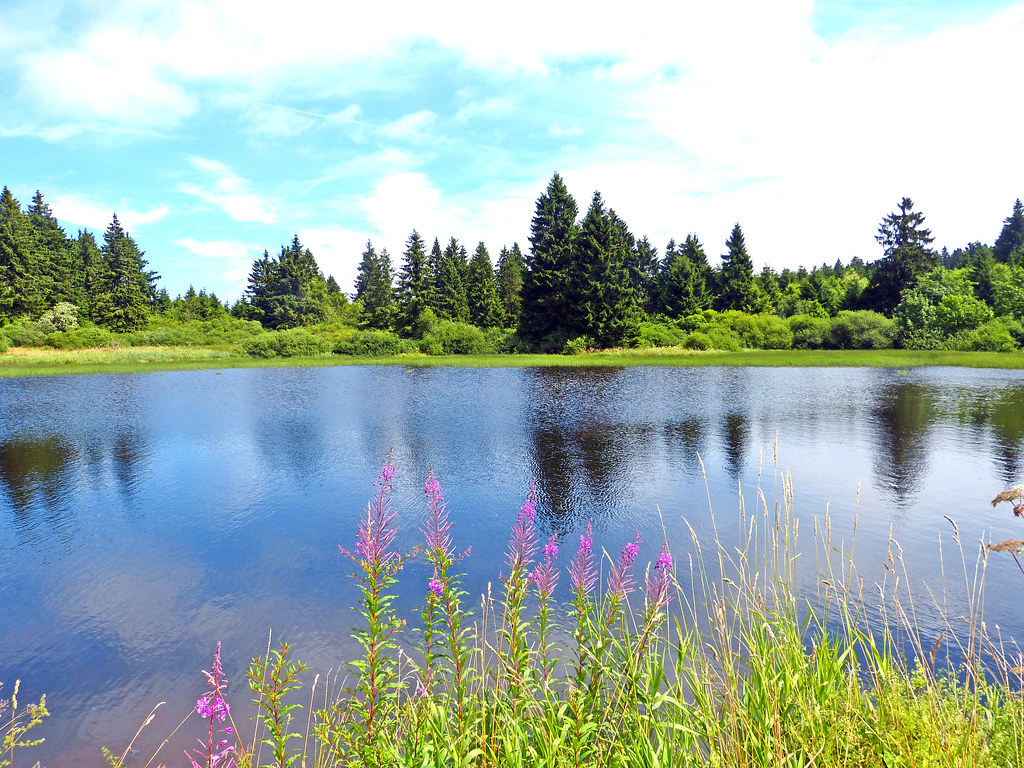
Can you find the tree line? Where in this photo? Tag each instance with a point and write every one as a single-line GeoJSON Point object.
{"type": "Point", "coordinates": [584, 279]}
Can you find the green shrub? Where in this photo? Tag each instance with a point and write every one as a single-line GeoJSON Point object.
{"type": "Point", "coordinates": [578, 346]}
{"type": "Point", "coordinates": [80, 338]}
{"type": "Point", "coordinates": [62, 317]}
{"type": "Point", "coordinates": [762, 331]}
{"type": "Point", "coordinates": [296, 342]}
{"type": "Point", "coordinates": [451, 338]}
{"type": "Point", "coordinates": [3, 344]}
{"type": "Point", "coordinates": [504, 340]}
{"type": "Point", "coordinates": [660, 334]}
{"type": "Point", "coordinates": [724, 339]}
{"type": "Point", "coordinates": [371, 344]}
{"type": "Point", "coordinates": [24, 334]}
{"type": "Point", "coordinates": [991, 337]}
{"type": "Point", "coordinates": [809, 331]}
{"type": "Point", "coordinates": [698, 340]}
{"type": "Point", "coordinates": [862, 329]}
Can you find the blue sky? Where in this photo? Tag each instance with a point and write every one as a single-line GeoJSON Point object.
{"type": "Point", "coordinates": [218, 129]}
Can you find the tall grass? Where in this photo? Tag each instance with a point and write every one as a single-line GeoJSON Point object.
{"type": "Point", "coordinates": [775, 654]}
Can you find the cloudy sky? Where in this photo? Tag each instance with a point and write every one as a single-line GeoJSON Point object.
{"type": "Point", "coordinates": [218, 129]}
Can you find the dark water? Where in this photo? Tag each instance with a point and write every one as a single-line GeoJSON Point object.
{"type": "Point", "coordinates": [145, 517]}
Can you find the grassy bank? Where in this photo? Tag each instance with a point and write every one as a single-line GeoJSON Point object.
{"type": "Point", "coordinates": [622, 666]}
{"type": "Point", "coordinates": [49, 362]}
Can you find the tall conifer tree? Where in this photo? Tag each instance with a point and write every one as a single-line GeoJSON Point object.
{"type": "Point", "coordinates": [121, 303]}
{"type": "Point", "coordinates": [413, 285]}
{"type": "Point", "coordinates": [905, 242]}
{"type": "Point", "coordinates": [1009, 245]}
{"type": "Point", "coordinates": [545, 306]}
{"type": "Point", "coordinates": [737, 279]}
{"type": "Point", "coordinates": [451, 285]}
{"type": "Point", "coordinates": [482, 290]}
{"type": "Point", "coordinates": [510, 283]}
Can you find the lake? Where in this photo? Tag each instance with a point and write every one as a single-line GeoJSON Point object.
{"type": "Point", "coordinates": [145, 517]}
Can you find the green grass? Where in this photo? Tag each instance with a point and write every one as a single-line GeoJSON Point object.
{"type": "Point", "coordinates": [49, 362]}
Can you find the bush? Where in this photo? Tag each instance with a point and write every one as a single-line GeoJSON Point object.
{"type": "Point", "coordinates": [578, 346]}
{"type": "Point", "coordinates": [3, 344]}
{"type": "Point", "coordinates": [991, 337]}
{"type": "Point", "coordinates": [659, 334]}
{"type": "Point", "coordinates": [296, 342]}
{"type": "Point", "coordinates": [862, 329]}
{"type": "Point", "coordinates": [809, 331]}
{"type": "Point", "coordinates": [451, 338]}
{"type": "Point", "coordinates": [505, 341]}
{"type": "Point", "coordinates": [62, 317]}
{"type": "Point", "coordinates": [24, 334]}
{"type": "Point", "coordinates": [762, 331]}
{"type": "Point", "coordinates": [724, 339]}
{"type": "Point", "coordinates": [80, 338]}
{"type": "Point", "coordinates": [698, 340]}
{"type": "Point", "coordinates": [371, 344]}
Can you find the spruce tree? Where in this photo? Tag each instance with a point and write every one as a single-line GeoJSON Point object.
{"type": "Point", "coordinates": [374, 288]}
{"type": "Point", "coordinates": [288, 290]}
{"type": "Point", "coordinates": [643, 273]}
{"type": "Point", "coordinates": [737, 289]}
{"type": "Point", "coordinates": [22, 290]}
{"type": "Point", "coordinates": [89, 264]}
{"type": "Point", "coordinates": [451, 285]}
{"type": "Point", "coordinates": [601, 298]}
{"type": "Point", "coordinates": [1009, 245]}
{"type": "Point", "coordinates": [904, 241]}
{"type": "Point", "coordinates": [121, 302]}
{"type": "Point", "coordinates": [510, 284]}
{"type": "Point", "coordinates": [435, 263]}
{"type": "Point", "coordinates": [482, 290]}
{"type": "Point", "coordinates": [54, 257]}
{"type": "Point", "coordinates": [413, 285]}
{"type": "Point", "coordinates": [684, 288]}
{"type": "Point", "coordinates": [545, 306]}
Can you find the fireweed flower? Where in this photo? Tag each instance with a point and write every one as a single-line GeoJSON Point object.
{"type": "Point", "coordinates": [212, 706]}
{"type": "Point", "coordinates": [583, 569]}
{"type": "Point", "coordinates": [377, 529]}
{"type": "Point", "coordinates": [435, 588]}
{"type": "Point", "coordinates": [620, 580]}
{"type": "Point", "coordinates": [545, 575]}
{"type": "Point", "coordinates": [658, 585]}
{"type": "Point", "coordinates": [522, 545]}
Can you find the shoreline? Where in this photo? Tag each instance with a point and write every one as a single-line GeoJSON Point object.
{"type": "Point", "coordinates": [25, 362]}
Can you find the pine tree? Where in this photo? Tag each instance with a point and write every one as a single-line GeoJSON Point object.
{"type": "Point", "coordinates": [643, 273]}
{"type": "Point", "coordinates": [451, 285]}
{"type": "Point", "coordinates": [288, 290]}
{"type": "Point", "coordinates": [54, 257]}
{"type": "Point", "coordinates": [482, 290]}
{"type": "Point", "coordinates": [684, 288]}
{"type": "Point", "coordinates": [545, 306]}
{"type": "Point", "coordinates": [904, 242]}
{"type": "Point", "coordinates": [601, 298]}
{"type": "Point", "coordinates": [121, 301]}
{"type": "Point", "coordinates": [435, 262]}
{"type": "Point", "coordinates": [22, 289]}
{"type": "Point", "coordinates": [1009, 245]}
{"type": "Point", "coordinates": [737, 278]}
{"type": "Point", "coordinates": [510, 284]}
{"type": "Point", "coordinates": [374, 288]}
{"type": "Point", "coordinates": [413, 285]}
{"type": "Point", "coordinates": [89, 266]}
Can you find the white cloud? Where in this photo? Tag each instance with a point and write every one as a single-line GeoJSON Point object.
{"type": "Point", "coordinates": [85, 212]}
{"type": "Point", "coordinates": [337, 252]}
{"type": "Point", "coordinates": [497, 106]}
{"type": "Point", "coordinates": [230, 193]}
{"type": "Point", "coordinates": [224, 250]}
{"type": "Point", "coordinates": [412, 127]}
{"type": "Point", "coordinates": [569, 132]}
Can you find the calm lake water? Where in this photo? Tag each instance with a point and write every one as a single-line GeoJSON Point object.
{"type": "Point", "coordinates": [145, 517]}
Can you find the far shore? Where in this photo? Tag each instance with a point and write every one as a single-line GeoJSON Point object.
{"type": "Point", "coordinates": [20, 361]}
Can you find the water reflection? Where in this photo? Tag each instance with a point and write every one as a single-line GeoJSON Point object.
{"type": "Point", "coordinates": [902, 415]}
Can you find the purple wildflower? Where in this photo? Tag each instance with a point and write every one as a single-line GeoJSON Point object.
{"type": "Point", "coordinates": [658, 594]}
{"type": "Point", "coordinates": [435, 588]}
{"type": "Point", "coordinates": [620, 580]}
{"type": "Point", "coordinates": [583, 569]}
{"type": "Point", "coordinates": [436, 526]}
{"type": "Point", "coordinates": [523, 541]}
{"type": "Point", "coordinates": [213, 706]}
{"type": "Point", "coordinates": [545, 575]}
{"type": "Point", "coordinates": [377, 529]}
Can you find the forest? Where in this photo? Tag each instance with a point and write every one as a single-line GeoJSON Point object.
{"type": "Point", "coordinates": [584, 282]}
